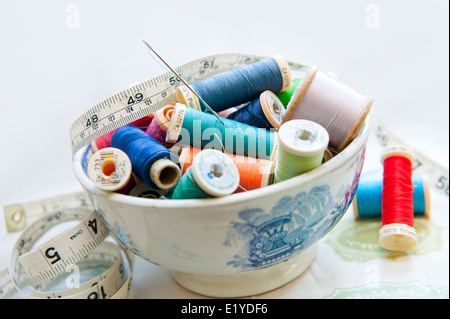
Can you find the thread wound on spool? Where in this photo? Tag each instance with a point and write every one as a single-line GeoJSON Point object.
{"type": "Point", "coordinates": [144, 151]}
{"type": "Point", "coordinates": [285, 96]}
{"type": "Point", "coordinates": [238, 86]}
{"type": "Point", "coordinates": [110, 169]}
{"type": "Point", "coordinates": [160, 123]}
{"type": "Point", "coordinates": [265, 112]}
{"type": "Point", "coordinates": [254, 173]}
{"type": "Point", "coordinates": [203, 130]}
{"type": "Point", "coordinates": [212, 174]}
{"type": "Point", "coordinates": [397, 232]}
{"type": "Point", "coordinates": [367, 201]}
{"type": "Point", "coordinates": [338, 108]}
{"type": "Point", "coordinates": [302, 144]}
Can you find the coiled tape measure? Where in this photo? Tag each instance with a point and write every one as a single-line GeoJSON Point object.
{"type": "Point", "coordinates": [79, 263]}
{"type": "Point", "coordinates": [33, 272]}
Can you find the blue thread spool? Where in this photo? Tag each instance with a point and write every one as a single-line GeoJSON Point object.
{"type": "Point", "coordinates": [265, 112]}
{"type": "Point", "coordinates": [238, 86]}
{"type": "Point", "coordinates": [212, 174]}
{"type": "Point", "coordinates": [204, 130]}
{"type": "Point", "coordinates": [152, 163]}
{"type": "Point", "coordinates": [368, 199]}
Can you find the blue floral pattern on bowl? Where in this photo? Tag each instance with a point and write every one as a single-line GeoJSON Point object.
{"type": "Point", "coordinates": [293, 224]}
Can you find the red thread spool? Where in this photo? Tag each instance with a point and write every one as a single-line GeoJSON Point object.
{"type": "Point", "coordinates": [397, 213]}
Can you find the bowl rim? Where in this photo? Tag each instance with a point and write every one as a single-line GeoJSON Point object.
{"type": "Point", "coordinates": [337, 161]}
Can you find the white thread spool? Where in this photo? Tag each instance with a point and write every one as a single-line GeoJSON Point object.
{"type": "Point", "coordinates": [335, 106]}
{"type": "Point", "coordinates": [215, 173]}
{"type": "Point", "coordinates": [109, 169]}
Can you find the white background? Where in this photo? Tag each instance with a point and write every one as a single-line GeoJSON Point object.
{"type": "Point", "coordinates": [58, 58]}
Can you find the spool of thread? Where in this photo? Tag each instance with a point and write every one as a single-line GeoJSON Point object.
{"type": "Point", "coordinates": [238, 86]}
{"type": "Point", "coordinates": [265, 112]}
{"type": "Point", "coordinates": [367, 201]}
{"type": "Point", "coordinates": [160, 123]}
{"type": "Point", "coordinates": [212, 174]}
{"type": "Point", "coordinates": [203, 130]}
{"type": "Point", "coordinates": [302, 144]}
{"type": "Point", "coordinates": [110, 170]}
{"type": "Point", "coordinates": [254, 173]}
{"type": "Point", "coordinates": [145, 191]}
{"type": "Point", "coordinates": [285, 96]}
{"type": "Point", "coordinates": [324, 100]}
{"type": "Point", "coordinates": [397, 209]}
{"type": "Point", "coordinates": [105, 140]}
{"type": "Point", "coordinates": [152, 163]}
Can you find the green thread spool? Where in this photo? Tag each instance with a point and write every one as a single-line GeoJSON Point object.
{"type": "Point", "coordinates": [212, 174]}
{"type": "Point", "coordinates": [302, 144]}
{"type": "Point", "coordinates": [285, 96]}
{"type": "Point", "coordinates": [204, 130]}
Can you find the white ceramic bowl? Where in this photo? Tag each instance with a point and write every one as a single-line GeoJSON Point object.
{"type": "Point", "coordinates": [242, 244]}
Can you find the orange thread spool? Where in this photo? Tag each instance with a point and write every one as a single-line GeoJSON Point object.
{"type": "Point", "coordinates": [254, 173]}
{"type": "Point", "coordinates": [397, 213]}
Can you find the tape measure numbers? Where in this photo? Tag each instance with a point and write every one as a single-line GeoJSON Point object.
{"type": "Point", "coordinates": [147, 97]}
{"type": "Point", "coordinates": [43, 272]}
{"type": "Point", "coordinates": [67, 249]}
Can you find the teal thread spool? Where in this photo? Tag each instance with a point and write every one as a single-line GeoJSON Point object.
{"type": "Point", "coordinates": [285, 96]}
{"type": "Point", "coordinates": [368, 198]}
{"type": "Point", "coordinates": [301, 148]}
{"type": "Point", "coordinates": [203, 130]}
{"type": "Point", "coordinates": [212, 174]}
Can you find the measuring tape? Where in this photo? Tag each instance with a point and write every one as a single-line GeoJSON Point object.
{"type": "Point", "coordinates": [147, 97]}
{"type": "Point", "coordinates": [438, 175]}
{"type": "Point", "coordinates": [46, 271]}
{"type": "Point", "coordinates": [18, 216]}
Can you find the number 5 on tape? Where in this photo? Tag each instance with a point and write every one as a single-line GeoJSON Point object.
{"type": "Point", "coordinates": [67, 249]}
